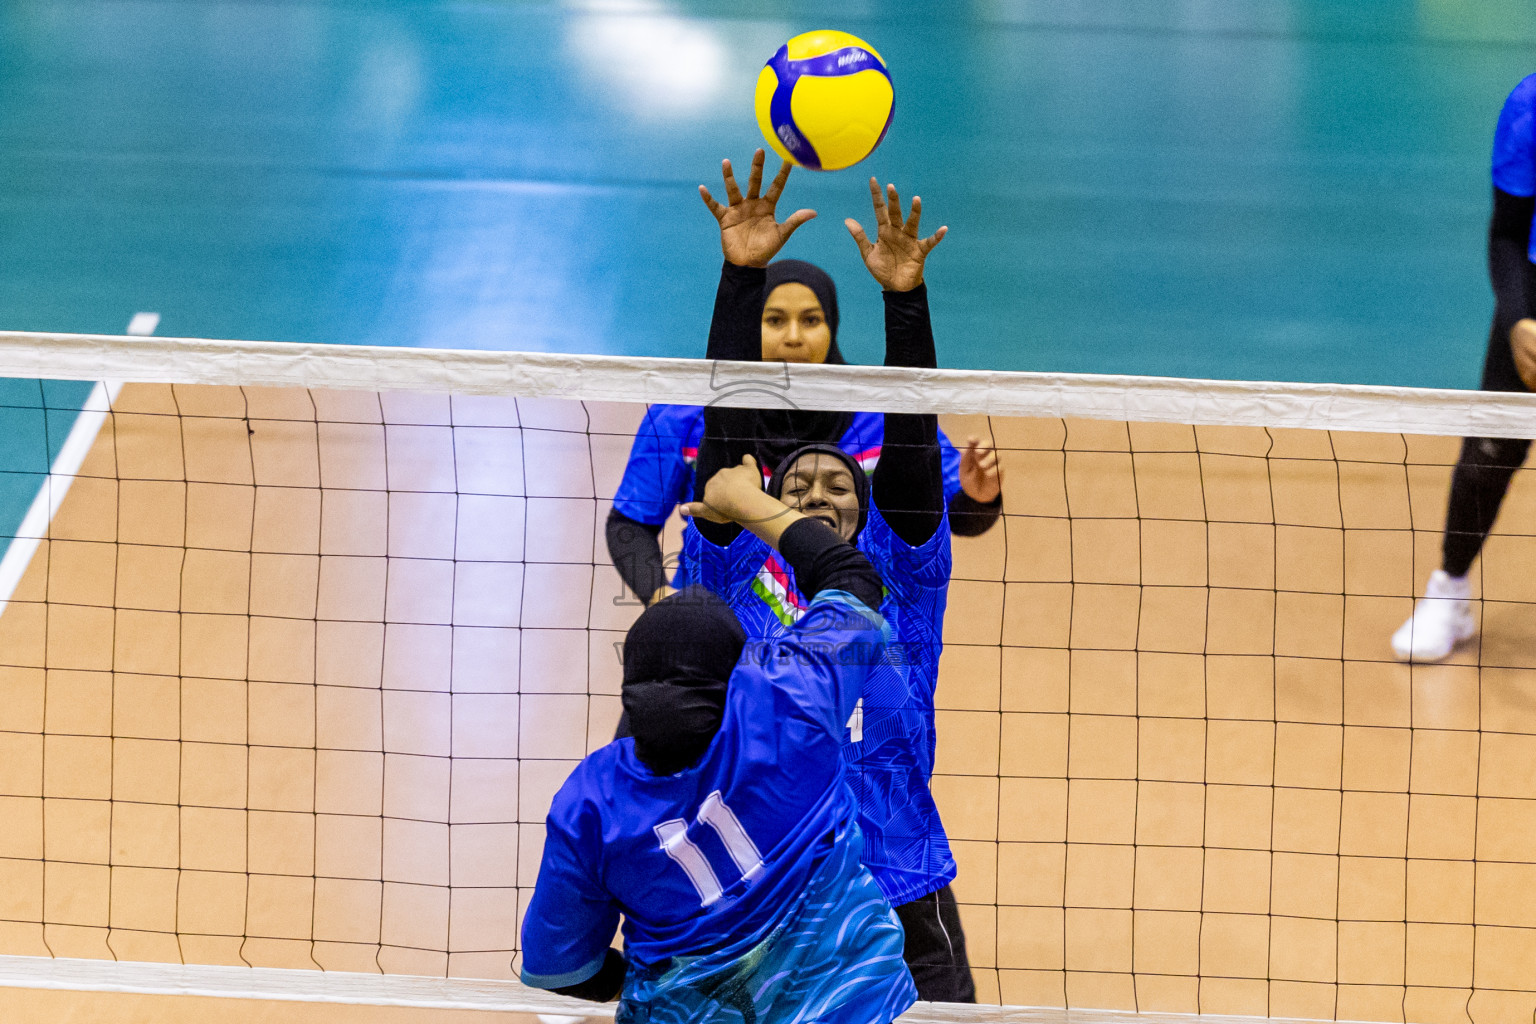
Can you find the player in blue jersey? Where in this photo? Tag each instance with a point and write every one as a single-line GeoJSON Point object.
{"type": "Point", "coordinates": [898, 518]}
{"type": "Point", "coordinates": [1443, 617]}
{"type": "Point", "coordinates": [798, 323]}
{"type": "Point", "coordinates": [724, 830]}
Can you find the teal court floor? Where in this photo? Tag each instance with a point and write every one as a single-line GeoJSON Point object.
{"type": "Point", "coordinates": [1256, 189]}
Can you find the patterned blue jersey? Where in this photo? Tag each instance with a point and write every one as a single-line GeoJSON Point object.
{"type": "Point", "coordinates": [659, 474]}
{"type": "Point", "coordinates": [837, 958]}
{"type": "Point", "coordinates": [890, 746]}
{"type": "Point", "coordinates": [1514, 145]}
{"type": "Point", "coordinates": [725, 864]}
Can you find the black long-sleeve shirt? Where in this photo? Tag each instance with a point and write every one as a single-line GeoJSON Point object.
{"type": "Point", "coordinates": [908, 483]}
{"type": "Point", "coordinates": [1509, 240]}
{"type": "Point", "coordinates": [901, 490]}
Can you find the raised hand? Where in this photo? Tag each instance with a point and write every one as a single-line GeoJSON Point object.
{"type": "Point", "coordinates": [729, 496]}
{"type": "Point", "coordinates": [749, 234]}
{"type": "Point", "coordinates": [895, 258]}
{"type": "Point", "coordinates": [981, 478]}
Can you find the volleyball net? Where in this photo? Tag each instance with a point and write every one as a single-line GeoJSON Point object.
{"type": "Point", "coordinates": [298, 642]}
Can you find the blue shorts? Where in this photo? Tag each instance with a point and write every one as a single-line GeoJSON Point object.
{"type": "Point", "coordinates": [835, 959]}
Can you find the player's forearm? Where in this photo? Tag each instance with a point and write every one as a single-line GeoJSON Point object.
{"type": "Point", "coordinates": [603, 986]}
{"type": "Point", "coordinates": [908, 485]}
{"type": "Point", "coordinates": [735, 329]}
{"type": "Point", "coordinates": [824, 561]}
{"type": "Point", "coordinates": [971, 518]}
{"type": "Point", "coordinates": [735, 333]}
{"type": "Point", "coordinates": [1509, 235]}
{"type": "Point", "coordinates": [909, 329]}
{"type": "Point", "coordinates": [636, 552]}
{"type": "Point", "coordinates": [766, 516]}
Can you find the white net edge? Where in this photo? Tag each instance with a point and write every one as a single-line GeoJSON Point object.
{"type": "Point", "coordinates": [287, 985]}
{"type": "Point", "coordinates": [600, 378]}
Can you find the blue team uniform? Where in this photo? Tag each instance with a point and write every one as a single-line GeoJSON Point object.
{"type": "Point", "coordinates": [659, 474]}
{"type": "Point", "coordinates": [890, 742]}
{"type": "Point", "coordinates": [738, 879]}
{"type": "Point", "coordinates": [1514, 145]}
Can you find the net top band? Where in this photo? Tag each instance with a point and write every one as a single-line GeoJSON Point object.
{"type": "Point", "coordinates": [603, 378]}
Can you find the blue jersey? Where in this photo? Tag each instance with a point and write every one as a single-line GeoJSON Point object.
{"type": "Point", "coordinates": [1514, 146]}
{"type": "Point", "coordinates": [659, 474]}
{"type": "Point", "coordinates": [890, 741]}
{"type": "Point", "coordinates": [722, 861]}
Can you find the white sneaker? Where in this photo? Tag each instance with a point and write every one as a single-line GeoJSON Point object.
{"type": "Point", "coordinates": [1441, 619]}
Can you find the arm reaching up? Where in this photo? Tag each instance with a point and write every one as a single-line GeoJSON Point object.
{"type": "Point", "coordinates": [908, 485]}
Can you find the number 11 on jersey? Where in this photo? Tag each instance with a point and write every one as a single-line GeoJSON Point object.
{"type": "Point", "coordinates": [687, 855]}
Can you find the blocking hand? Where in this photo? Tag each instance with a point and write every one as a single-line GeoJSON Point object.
{"type": "Point", "coordinates": [729, 495]}
{"type": "Point", "coordinates": [895, 258]}
{"type": "Point", "coordinates": [981, 478]}
{"type": "Point", "coordinates": [750, 236]}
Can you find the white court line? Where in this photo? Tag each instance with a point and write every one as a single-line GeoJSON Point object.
{"type": "Point", "coordinates": [34, 526]}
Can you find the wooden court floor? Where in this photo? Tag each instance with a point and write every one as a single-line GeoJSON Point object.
{"type": "Point", "coordinates": [295, 675]}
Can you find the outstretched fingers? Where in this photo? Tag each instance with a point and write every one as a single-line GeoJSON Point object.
{"type": "Point", "coordinates": [793, 221]}
{"type": "Point", "coordinates": [934, 239]}
{"type": "Point", "coordinates": [882, 218]}
{"type": "Point", "coordinates": [860, 238]}
{"type": "Point", "coordinates": [732, 192]}
{"type": "Point", "coordinates": [710, 202]}
{"type": "Point", "coordinates": [755, 177]}
{"type": "Point", "coordinates": [892, 204]}
{"type": "Point", "coordinates": [915, 217]}
{"type": "Point", "coordinates": [776, 186]}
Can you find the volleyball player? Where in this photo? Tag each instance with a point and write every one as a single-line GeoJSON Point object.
{"type": "Point", "coordinates": [897, 516]}
{"type": "Point", "coordinates": [1443, 617]}
{"type": "Point", "coordinates": [724, 830]}
{"type": "Point", "coordinates": [799, 321]}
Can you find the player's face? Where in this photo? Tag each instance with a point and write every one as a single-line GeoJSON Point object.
{"type": "Point", "coordinates": [821, 487]}
{"type": "Point", "coordinates": [794, 327]}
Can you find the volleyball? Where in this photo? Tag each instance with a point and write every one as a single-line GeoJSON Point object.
{"type": "Point", "coordinates": [824, 100]}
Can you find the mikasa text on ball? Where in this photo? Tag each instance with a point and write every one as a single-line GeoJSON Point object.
{"type": "Point", "coordinates": [825, 100]}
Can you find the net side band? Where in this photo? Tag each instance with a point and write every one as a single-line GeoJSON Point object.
{"type": "Point", "coordinates": [460, 993]}
{"type": "Point", "coordinates": [701, 382]}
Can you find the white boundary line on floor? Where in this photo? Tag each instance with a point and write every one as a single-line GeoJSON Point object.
{"type": "Point", "coordinates": [66, 466]}
{"type": "Point", "coordinates": [699, 382]}
{"type": "Point", "coordinates": [460, 993]}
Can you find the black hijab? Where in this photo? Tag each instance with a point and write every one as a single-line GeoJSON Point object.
{"type": "Point", "coordinates": [677, 658]}
{"type": "Point", "coordinates": [780, 431]}
{"type": "Point", "coordinates": [819, 282]}
{"type": "Point", "coordinates": [860, 478]}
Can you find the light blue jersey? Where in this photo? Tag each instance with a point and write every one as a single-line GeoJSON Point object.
{"type": "Point", "coordinates": [730, 873]}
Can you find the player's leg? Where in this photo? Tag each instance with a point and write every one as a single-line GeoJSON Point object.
{"type": "Point", "coordinates": [1443, 617]}
{"type": "Point", "coordinates": [935, 948]}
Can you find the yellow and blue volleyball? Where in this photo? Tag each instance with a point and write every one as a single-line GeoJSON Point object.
{"type": "Point", "coordinates": [824, 100]}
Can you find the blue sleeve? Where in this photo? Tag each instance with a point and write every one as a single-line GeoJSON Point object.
{"type": "Point", "coordinates": [1514, 160]}
{"type": "Point", "coordinates": [657, 477]}
{"type": "Point", "coordinates": [831, 651]}
{"type": "Point", "coordinates": [570, 920]}
{"type": "Point", "coordinates": [949, 460]}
